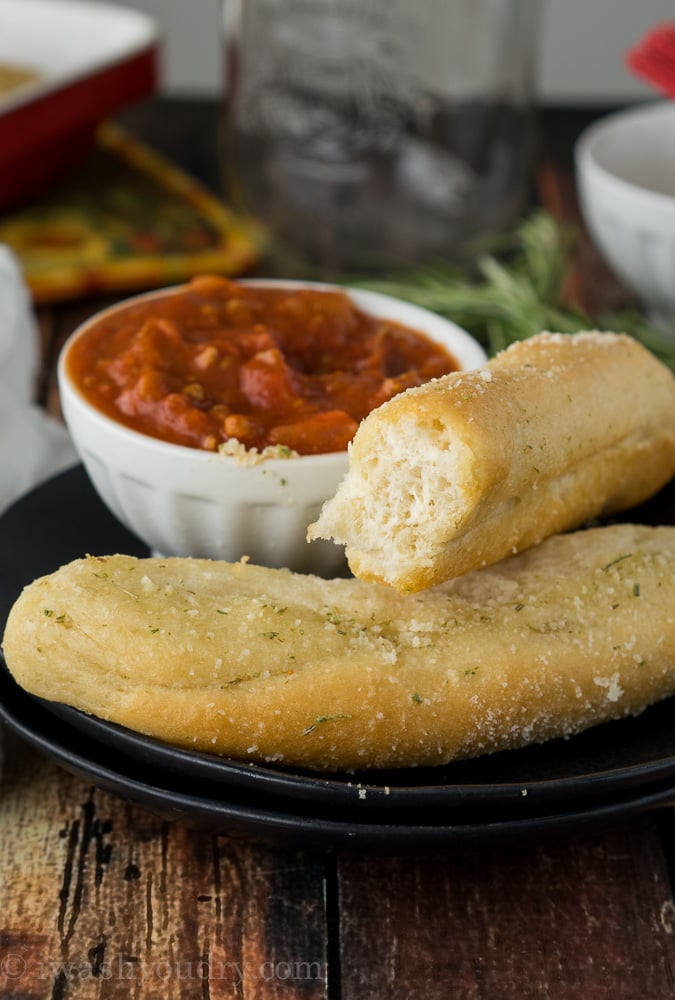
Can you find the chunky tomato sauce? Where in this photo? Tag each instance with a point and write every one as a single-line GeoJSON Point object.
{"type": "Point", "coordinates": [218, 361]}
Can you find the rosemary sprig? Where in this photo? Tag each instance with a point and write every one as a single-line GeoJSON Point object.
{"type": "Point", "coordinates": [517, 294]}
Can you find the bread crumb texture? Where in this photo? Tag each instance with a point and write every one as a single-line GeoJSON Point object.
{"type": "Point", "coordinates": [271, 666]}
{"type": "Point", "coordinates": [471, 467]}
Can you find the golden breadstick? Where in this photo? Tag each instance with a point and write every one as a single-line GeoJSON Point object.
{"type": "Point", "coordinates": [472, 467]}
{"type": "Point", "coordinates": [272, 666]}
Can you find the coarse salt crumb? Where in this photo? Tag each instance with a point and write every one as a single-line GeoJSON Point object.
{"type": "Point", "coordinates": [251, 456]}
{"type": "Point", "coordinates": [614, 689]}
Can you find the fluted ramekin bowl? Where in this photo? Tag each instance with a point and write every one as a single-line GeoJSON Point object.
{"type": "Point", "coordinates": [625, 168]}
{"type": "Point", "coordinates": [184, 501]}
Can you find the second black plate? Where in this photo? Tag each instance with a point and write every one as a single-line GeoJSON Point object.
{"type": "Point", "coordinates": [63, 519]}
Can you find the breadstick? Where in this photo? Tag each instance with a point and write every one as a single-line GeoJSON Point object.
{"type": "Point", "coordinates": [472, 467]}
{"type": "Point", "coordinates": [272, 666]}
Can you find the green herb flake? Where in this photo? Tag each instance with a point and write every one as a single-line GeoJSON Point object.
{"type": "Point", "coordinates": [333, 617]}
{"type": "Point", "coordinates": [470, 673]}
{"type": "Point", "coordinates": [636, 590]}
{"type": "Point", "coordinates": [321, 719]}
{"type": "Point", "coordinates": [270, 635]}
{"type": "Point", "coordinates": [615, 562]}
{"type": "Point", "coordinates": [417, 698]}
{"type": "Point", "coordinates": [519, 607]}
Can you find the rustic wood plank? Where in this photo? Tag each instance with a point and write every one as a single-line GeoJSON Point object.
{"type": "Point", "coordinates": [591, 286]}
{"type": "Point", "coordinates": [590, 917]}
{"type": "Point", "coordinates": [45, 328]}
{"type": "Point", "coordinates": [56, 323]}
{"type": "Point", "coordinates": [101, 899]}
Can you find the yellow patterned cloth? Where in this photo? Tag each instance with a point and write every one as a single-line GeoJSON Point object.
{"type": "Point", "coordinates": [126, 220]}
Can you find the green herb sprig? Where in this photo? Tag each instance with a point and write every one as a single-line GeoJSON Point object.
{"type": "Point", "coordinates": [517, 293]}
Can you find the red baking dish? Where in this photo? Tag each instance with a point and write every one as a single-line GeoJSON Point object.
{"type": "Point", "coordinates": [90, 60]}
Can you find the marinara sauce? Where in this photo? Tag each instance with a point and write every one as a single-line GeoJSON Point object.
{"type": "Point", "coordinates": [217, 360]}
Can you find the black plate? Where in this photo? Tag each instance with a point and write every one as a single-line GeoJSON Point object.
{"type": "Point", "coordinates": [243, 815]}
{"type": "Point", "coordinates": [64, 519]}
{"type": "Point", "coordinates": [595, 763]}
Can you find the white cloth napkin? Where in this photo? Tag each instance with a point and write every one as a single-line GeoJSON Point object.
{"type": "Point", "coordinates": [33, 446]}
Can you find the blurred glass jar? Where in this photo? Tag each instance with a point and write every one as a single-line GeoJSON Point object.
{"type": "Point", "coordinates": [370, 134]}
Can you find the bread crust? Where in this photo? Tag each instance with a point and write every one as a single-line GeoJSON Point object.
{"type": "Point", "coordinates": [271, 666]}
{"type": "Point", "coordinates": [472, 467]}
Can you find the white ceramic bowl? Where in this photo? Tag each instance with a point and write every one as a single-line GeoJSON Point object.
{"type": "Point", "coordinates": [625, 166]}
{"type": "Point", "coordinates": [188, 502]}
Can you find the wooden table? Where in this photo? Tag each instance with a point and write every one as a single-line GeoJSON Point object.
{"type": "Point", "coordinates": [103, 899]}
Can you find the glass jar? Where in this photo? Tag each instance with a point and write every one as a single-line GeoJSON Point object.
{"type": "Point", "coordinates": [370, 134]}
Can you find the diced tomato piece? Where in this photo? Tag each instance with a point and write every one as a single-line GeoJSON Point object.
{"type": "Point", "coordinates": [244, 429]}
{"type": "Point", "coordinates": [266, 381]}
{"type": "Point", "coordinates": [319, 433]}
